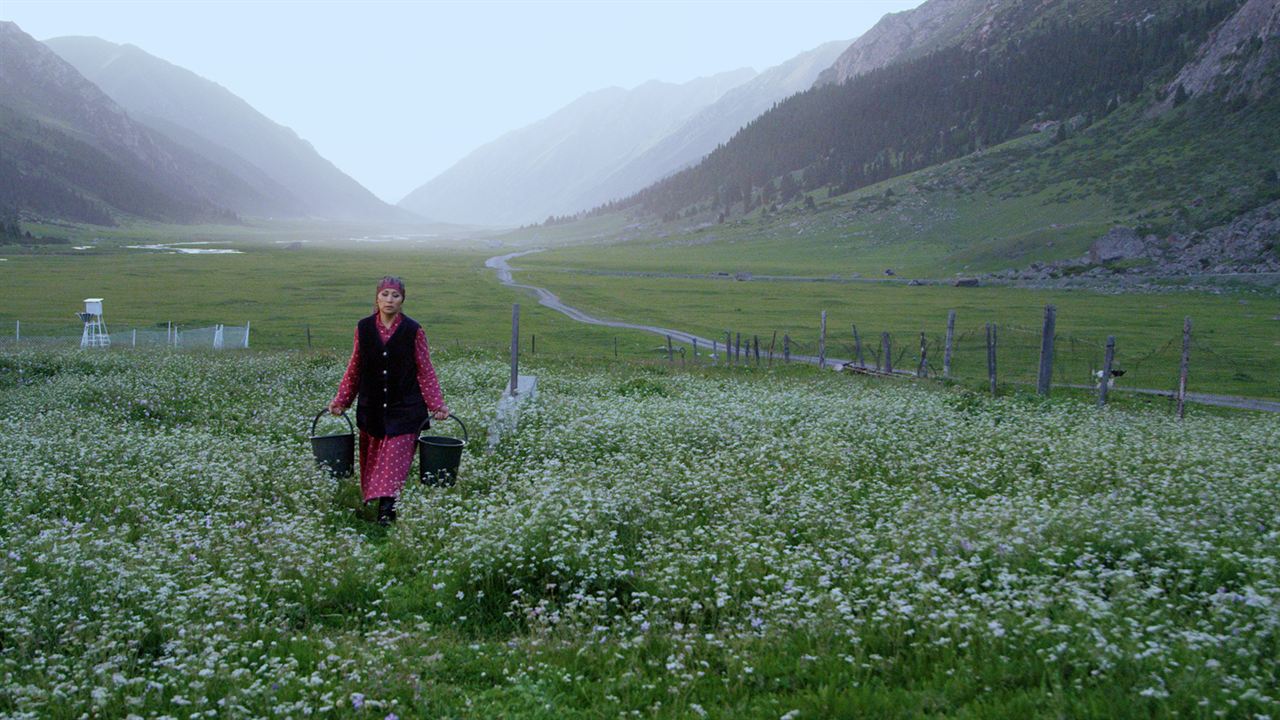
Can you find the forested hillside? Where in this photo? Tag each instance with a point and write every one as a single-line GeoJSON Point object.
{"type": "Point", "coordinates": [942, 106]}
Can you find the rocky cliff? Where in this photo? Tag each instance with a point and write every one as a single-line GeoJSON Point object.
{"type": "Point", "coordinates": [908, 34]}
{"type": "Point", "coordinates": [1240, 58]}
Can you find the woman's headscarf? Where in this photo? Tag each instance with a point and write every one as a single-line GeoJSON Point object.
{"type": "Point", "coordinates": [390, 281]}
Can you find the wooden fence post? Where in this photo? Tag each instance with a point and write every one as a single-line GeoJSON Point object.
{"type": "Point", "coordinates": [308, 337]}
{"type": "Point", "coordinates": [737, 348]}
{"type": "Point", "coordinates": [1046, 350]}
{"type": "Point", "coordinates": [771, 343]}
{"type": "Point", "coordinates": [728, 348]}
{"type": "Point", "coordinates": [857, 347]}
{"type": "Point", "coordinates": [17, 331]}
{"type": "Point", "coordinates": [822, 343]}
{"type": "Point", "coordinates": [615, 346]}
{"type": "Point", "coordinates": [515, 348]}
{"type": "Point", "coordinates": [1105, 379]}
{"type": "Point", "coordinates": [991, 357]}
{"type": "Point", "coordinates": [695, 350]}
{"type": "Point", "coordinates": [755, 347]}
{"type": "Point", "coordinates": [670, 355]}
{"type": "Point", "coordinates": [1185, 366]}
{"type": "Point", "coordinates": [786, 348]}
{"type": "Point", "coordinates": [533, 343]}
{"type": "Point", "coordinates": [924, 349]}
{"type": "Point", "coordinates": [886, 349]}
{"type": "Point", "coordinates": [951, 333]}
{"type": "Point", "coordinates": [715, 351]}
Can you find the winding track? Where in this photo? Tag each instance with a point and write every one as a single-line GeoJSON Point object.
{"type": "Point", "coordinates": [501, 265]}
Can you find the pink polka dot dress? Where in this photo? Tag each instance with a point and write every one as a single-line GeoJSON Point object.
{"type": "Point", "coordinates": [385, 461]}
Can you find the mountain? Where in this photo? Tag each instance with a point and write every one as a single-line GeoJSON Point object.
{"type": "Point", "coordinates": [909, 34]}
{"type": "Point", "coordinates": [211, 121]}
{"type": "Point", "coordinates": [1025, 66]}
{"type": "Point", "coordinates": [69, 151]}
{"type": "Point", "coordinates": [549, 167]}
{"type": "Point", "coordinates": [714, 124]}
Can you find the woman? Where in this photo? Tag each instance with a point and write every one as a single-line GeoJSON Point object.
{"type": "Point", "coordinates": [390, 373]}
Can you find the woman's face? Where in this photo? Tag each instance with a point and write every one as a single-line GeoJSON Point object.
{"type": "Point", "coordinates": [389, 301]}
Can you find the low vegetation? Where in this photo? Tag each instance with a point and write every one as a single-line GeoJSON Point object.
{"type": "Point", "coordinates": [647, 543]}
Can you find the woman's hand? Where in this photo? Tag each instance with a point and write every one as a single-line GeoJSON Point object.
{"type": "Point", "coordinates": [336, 409]}
{"type": "Point", "coordinates": [441, 414]}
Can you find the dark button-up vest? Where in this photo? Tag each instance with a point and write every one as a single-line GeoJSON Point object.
{"type": "Point", "coordinates": [390, 401]}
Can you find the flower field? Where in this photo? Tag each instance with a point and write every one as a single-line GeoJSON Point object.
{"type": "Point", "coordinates": [649, 543]}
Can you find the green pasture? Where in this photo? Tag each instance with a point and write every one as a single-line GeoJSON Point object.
{"type": "Point", "coordinates": [1235, 350]}
{"type": "Point", "coordinates": [322, 286]}
{"type": "Point", "coordinates": [322, 289]}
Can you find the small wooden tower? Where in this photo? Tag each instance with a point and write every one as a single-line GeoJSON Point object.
{"type": "Point", "coordinates": [95, 329]}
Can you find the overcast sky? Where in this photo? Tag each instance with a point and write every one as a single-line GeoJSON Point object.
{"type": "Point", "coordinates": [394, 93]}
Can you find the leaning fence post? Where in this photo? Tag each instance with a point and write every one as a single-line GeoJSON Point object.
{"type": "Point", "coordinates": [771, 343]}
{"type": "Point", "coordinates": [1105, 380]}
{"type": "Point", "coordinates": [946, 354]}
{"type": "Point", "coordinates": [515, 348]}
{"type": "Point", "coordinates": [822, 343]}
{"type": "Point", "coordinates": [1046, 350]}
{"type": "Point", "coordinates": [886, 349]}
{"type": "Point", "coordinates": [1182, 371]}
{"type": "Point", "coordinates": [923, 350]}
{"type": "Point", "coordinates": [991, 356]}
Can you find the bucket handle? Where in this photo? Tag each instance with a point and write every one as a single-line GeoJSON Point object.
{"type": "Point", "coordinates": [325, 411]}
{"type": "Point", "coordinates": [427, 423]}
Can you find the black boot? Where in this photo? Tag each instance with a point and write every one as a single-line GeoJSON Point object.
{"type": "Point", "coordinates": [386, 511]}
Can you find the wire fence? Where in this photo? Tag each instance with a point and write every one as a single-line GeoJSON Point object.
{"type": "Point", "coordinates": [1151, 363]}
{"type": "Point", "coordinates": [63, 335]}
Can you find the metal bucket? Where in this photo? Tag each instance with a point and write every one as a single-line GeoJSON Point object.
{"type": "Point", "coordinates": [335, 453]}
{"type": "Point", "coordinates": [439, 456]}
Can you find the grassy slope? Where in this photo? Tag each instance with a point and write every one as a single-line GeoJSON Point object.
{"type": "Point", "coordinates": [1026, 200]}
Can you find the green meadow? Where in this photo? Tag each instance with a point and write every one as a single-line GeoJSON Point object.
{"type": "Point", "coordinates": [1235, 349]}
{"type": "Point", "coordinates": [311, 296]}
{"type": "Point", "coordinates": [320, 289]}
